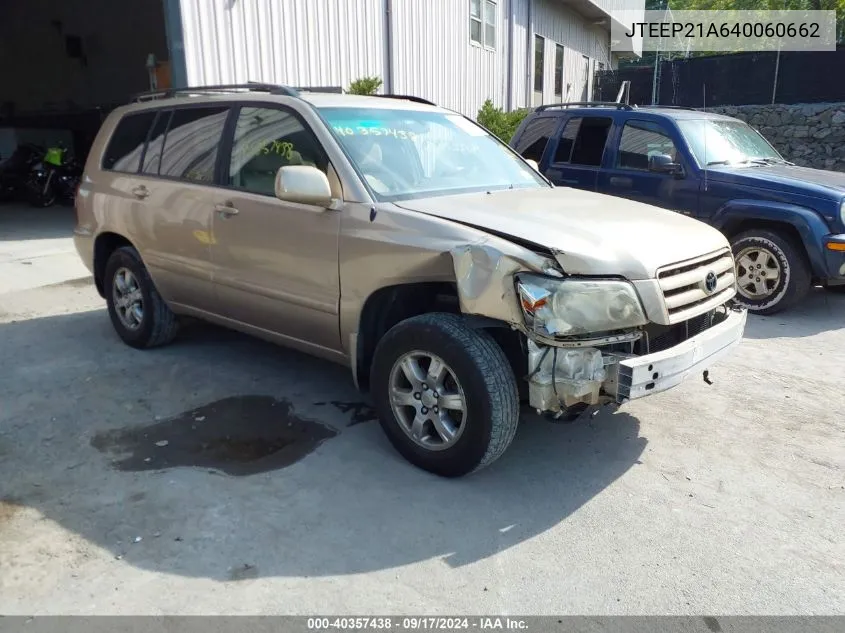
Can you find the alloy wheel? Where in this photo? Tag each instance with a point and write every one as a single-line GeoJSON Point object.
{"type": "Point", "coordinates": [427, 400]}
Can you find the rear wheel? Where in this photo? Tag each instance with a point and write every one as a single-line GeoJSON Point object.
{"type": "Point", "coordinates": [772, 271]}
{"type": "Point", "coordinates": [445, 394]}
{"type": "Point", "coordinates": [138, 313]}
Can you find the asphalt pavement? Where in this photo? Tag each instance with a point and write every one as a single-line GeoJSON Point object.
{"type": "Point", "coordinates": [225, 475]}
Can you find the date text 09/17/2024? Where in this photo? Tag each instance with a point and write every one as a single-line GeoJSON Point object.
{"type": "Point", "coordinates": [416, 623]}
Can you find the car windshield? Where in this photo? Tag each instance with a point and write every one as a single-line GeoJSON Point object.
{"type": "Point", "coordinates": [716, 142]}
{"type": "Point", "coordinates": [405, 154]}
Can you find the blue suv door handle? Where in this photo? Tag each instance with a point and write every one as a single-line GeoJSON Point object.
{"type": "Point", "coordinates": [621, 181]}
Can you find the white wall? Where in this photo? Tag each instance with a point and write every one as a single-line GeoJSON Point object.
{"type": "Point", "coordinates": [333, 42]}
{"type": "Point", "coordinates": [558, 24]}
{"type": "Point", "coordinates": [117, 36]}
{"type": "Point", "coordinates": [292, 42]}
{"type": "Point", "coordinates": [434, 59]}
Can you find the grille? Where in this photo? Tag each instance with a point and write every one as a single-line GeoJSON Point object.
{"type": "Point", "coordinates": [683, 285]}
{"type": "Point", "coordinates": [661, 337]}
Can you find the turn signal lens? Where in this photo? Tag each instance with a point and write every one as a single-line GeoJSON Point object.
{"type": "Point", "coordinates": [532, 297]}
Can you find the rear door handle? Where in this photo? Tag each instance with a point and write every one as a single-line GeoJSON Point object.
{"type": "Point", "coordinates": [226, 210]}
{"type": "Point", "coordinates": [140, 192]}
{"type": "Point", "coordinates": [621, 181]}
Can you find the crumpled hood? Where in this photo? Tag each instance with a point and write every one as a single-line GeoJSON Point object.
{"type": "Point", "coordinates": [590, 233]}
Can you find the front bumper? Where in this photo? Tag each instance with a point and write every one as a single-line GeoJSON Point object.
{"type": "Point", "coordinates": [834, 254]}
{"type": "Point", "coordinates": [653, 373]}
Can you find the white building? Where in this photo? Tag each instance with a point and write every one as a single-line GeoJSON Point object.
{"type": "Point", "coordinates": [456, 53]}
{"type": "Point", "coordinates": [64, 64]}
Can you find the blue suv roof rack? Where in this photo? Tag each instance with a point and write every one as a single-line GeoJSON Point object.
{"type": "Point", "coordinates": [585, 104]}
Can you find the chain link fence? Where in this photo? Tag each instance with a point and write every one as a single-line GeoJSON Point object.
{"type": "Point", "coordinates": [729, 80]}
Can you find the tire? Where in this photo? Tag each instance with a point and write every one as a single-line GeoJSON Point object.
{"type": "Point", "coordinates": [483, 376]}
{"type": "Point", "coordinates": [157, 325]}
{"type": "Point", "coordinates": [773, 249]}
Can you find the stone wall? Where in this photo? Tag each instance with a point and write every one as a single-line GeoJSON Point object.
{"type": "Point", "coordinates": [810, 134]}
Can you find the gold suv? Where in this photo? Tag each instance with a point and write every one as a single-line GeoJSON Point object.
{"type": "Point", "coordinates": [404, 241]}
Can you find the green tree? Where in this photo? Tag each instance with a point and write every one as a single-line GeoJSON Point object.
{"type": "Point", "coordinates": [497, 121]}
{"type": "Point", "coordinates": [365, 86]}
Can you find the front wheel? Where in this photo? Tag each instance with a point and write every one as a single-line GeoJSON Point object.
{"type": "Point", "coordinates": [445, 394]}
{"type": "Point", "coordinates": [772, 272]}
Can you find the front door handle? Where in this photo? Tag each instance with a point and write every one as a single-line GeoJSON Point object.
{"type": "Point", "coordinates": [621, 181]}
{"type": "Point", "coordinates": [226, 210]}
{"type": "Point", "coordinates": [140, 192]}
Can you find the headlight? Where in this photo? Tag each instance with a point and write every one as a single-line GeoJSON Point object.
{"type": "Point", "coordinates": [842, 212]}
{"type": "Point", "coordinates": [570, 307]}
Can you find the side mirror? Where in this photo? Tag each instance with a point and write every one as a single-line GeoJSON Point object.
{"type": "Point", "coordinates": [662, 164]}
{"type": "Point", "coordinates": [533, 164]}
{"type": "Point", "coordinates": [303, 184]}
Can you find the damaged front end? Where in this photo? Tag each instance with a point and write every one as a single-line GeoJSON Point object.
{"type": "Point", "coordinates": [589, 341]}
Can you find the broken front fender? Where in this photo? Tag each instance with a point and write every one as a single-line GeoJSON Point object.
{"type": "Point", "coordinates": [484, 273]}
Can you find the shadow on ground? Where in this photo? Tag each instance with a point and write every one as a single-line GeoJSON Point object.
{"type": "Point", "coordinates": [820, 311]}
{"type": "Point", "coordinates": [22, 222]}
{"type": "Point", "coordinates": [348, 505]}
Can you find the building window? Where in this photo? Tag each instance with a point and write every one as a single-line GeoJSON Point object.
{"type": "Point", "coordinates": [558, 73]}
{"type": "Point", "coordinates": [539, 64]}
{"type": "Point", "coordinates": [482, 22]}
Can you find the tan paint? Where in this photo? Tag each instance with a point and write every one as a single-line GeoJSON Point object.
{"type": "Point", "coordinates": [300, 274]}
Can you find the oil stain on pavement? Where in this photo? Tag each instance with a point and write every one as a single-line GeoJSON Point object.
{"type": "Point", "coordinates": [242, 435]}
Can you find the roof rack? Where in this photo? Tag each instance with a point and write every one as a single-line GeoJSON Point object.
{"type": "Point", "coordinates": [670, 107]}
{"type": "Point", "coordinates": [408, 98]}
{"type": "Point", "coordinates": [585, 104]}
{"type": "Point", "coordinates": [334, 90]}
{"type": "Point", "coordinates": [252, 86]}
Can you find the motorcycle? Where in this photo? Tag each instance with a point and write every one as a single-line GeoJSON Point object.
{"type": "Point", "coordinates": [15, 170]}
{"type": "Point", "coordinates": [55, 177]}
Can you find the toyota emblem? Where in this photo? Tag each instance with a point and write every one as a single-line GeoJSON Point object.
{"type": "Point", "coordinates": [710, 282]}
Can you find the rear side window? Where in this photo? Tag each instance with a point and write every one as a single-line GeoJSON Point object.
{"type": "Point", "coordinates": [191, 143]}
{"type": "Point", "coordinates": [583, 140]}
{"type": "Point", "coordinates": [127, 143]}
{"type": "Point", "coordinates": [152, 157]}
{"type": "Point", "coordinates": [533, 140]}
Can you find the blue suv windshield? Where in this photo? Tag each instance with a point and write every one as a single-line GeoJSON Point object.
{"type": "Point", "coordinates": [403, 154]}
{"type": "Point", "coordinates": [718, 142]}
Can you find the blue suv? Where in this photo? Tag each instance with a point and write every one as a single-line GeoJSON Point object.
{"type": "Point", "coordinates": [786, 223]}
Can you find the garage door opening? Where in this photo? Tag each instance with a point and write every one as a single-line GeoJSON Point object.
{"type": "Point", "coordinates": [66, 65]}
